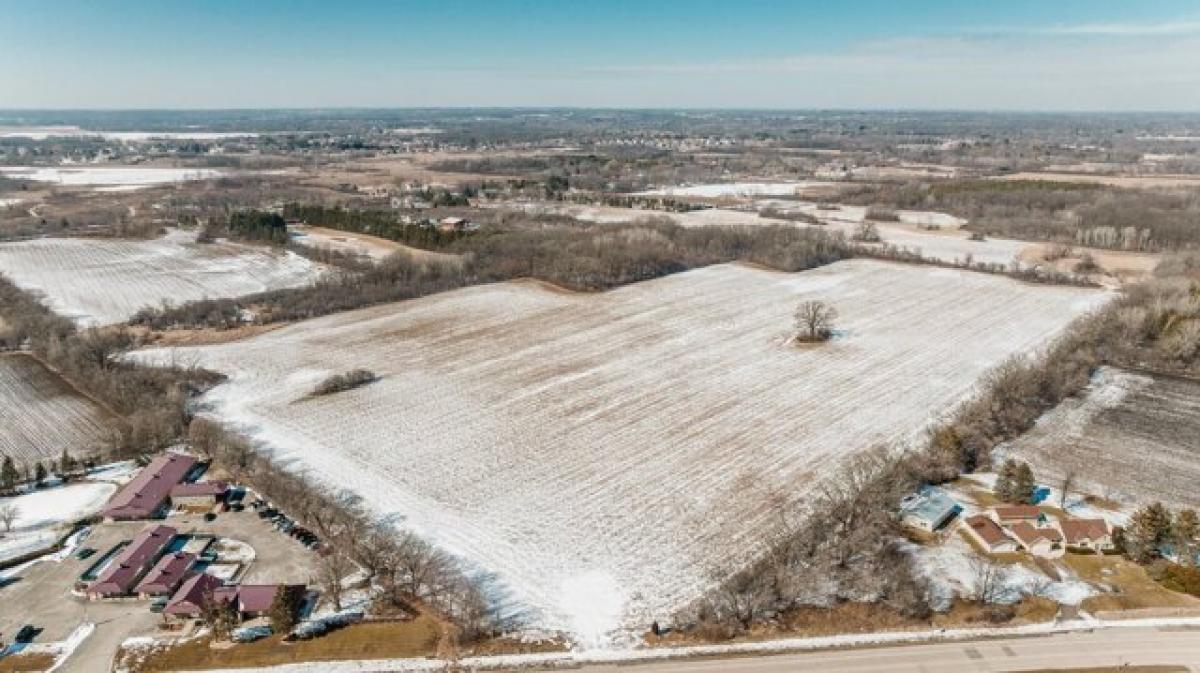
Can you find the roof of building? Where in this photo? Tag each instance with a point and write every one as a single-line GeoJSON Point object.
{"type": "Point", "coordinates": [188, 600]}
{"type": "Point", "coordinates": [167, 573]}
{"type": "Point", "coordinates": [146, 492]}
{"type": "Point", "coordinates": [1028, 535]}
{"type": "Point", "coordinates": [1009, 512]}
{"type": "Point", "coordinates": [929, 504]}
{"type": "Point", "coordinates": [124, 570]}
{"type": "Point", "coordinates": [1078, 530]}
{"type": "Point", "coordinates": [199, 489]}
{"type": "Point", "coordinates": [256, 597]}
{"type": "Point", "coordinates": [987, 530]}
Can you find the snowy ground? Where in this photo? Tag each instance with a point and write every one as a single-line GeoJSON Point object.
{"type": "Point", "coordinates": [43, 515]}
{"type": "Point", "coordinates": [102, 281]}
{"type": "Point", "coordinates": [719, 189]}
{"type": "Point", "coordinates": [595, 452]}
{"type": "Point", "coordinates": [1130, 437]}
{"type": "Point", "coordinates": [116, 175]}
{"type": "Point", "coordinates": [41, 415]}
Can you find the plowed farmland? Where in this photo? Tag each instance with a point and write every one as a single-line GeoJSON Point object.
{"type": "Point", "coordinates": [41, 415]}
{"type": "Point", "coordinates": [1129, 436]}
{"type": "Point", "coordinates": [103, 281]}
{"type": "Point", "coordinates": [602, 454]}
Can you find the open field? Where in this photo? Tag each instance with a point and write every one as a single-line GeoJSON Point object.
{"type": "Point", "coordinates": [568, 442]}
{"type": "Point", "coordinates": [115, 176]}
{"type": "Point", "coordinates": [722, 189]}
{"type": "Point", "coordinates": [1128, 436]}
{"type": "Point", "coordinates": [102, 281]}
{"type": "Point", "coordinates": [365, 245]}
{"type": "Point", "coordinates": [41, 415]}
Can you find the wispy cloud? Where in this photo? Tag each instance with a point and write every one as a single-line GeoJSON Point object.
{"type": "Point", "coordinates": [1125, 29]}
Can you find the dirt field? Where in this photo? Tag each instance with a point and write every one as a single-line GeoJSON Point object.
{"type": "Point", "coordinates": [103, 281]}
{"type": "Point", "coordinates": [373, 247]}
{"type": "Point", "coordinates": [41, 415]}
{"type": "Point", "coordinates": [568, 441]}
{"type": "Point", "coordinates": [1129, 437]}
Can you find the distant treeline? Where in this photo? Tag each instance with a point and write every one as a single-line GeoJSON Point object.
{"type": "Point", "coordinates": [1037, 210]}
{"type": "Point", "coordinates": [381, 223]}
{"type": "Point", "coordinates": [577, 257]}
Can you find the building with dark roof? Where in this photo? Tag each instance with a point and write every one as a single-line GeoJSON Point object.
{"type": "Point", "coordinates": [148, 493]}
{"type": "Point", "coordinates": [166, 575]}
{"type": "Point", "coordinates": [188, 600]}
{"type": "Point", "coordinates": [121, 574]}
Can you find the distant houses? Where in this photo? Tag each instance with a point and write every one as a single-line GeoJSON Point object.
{"type": "Point", "coordinates": [1010, 528]}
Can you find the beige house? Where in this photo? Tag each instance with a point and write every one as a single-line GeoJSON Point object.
{"type": "Point", "coordinates": [1045, 542]}
{"type": "Point", "coordinates": [1091, 534]}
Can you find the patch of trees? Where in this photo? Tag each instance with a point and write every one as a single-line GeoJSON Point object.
{"type": "Point", "coordinates": [409, 573]}
{"type": "Point", "coordinates": [1015, 483]}
{"type": "Point", "coordinates": [151, 401]}
{"type": "Point", "coordinates": [257, 225]}
{"type": "Point", "coordinates": [814, 321]}
{"type": "Point", "coordinates": [350, 380]}
{"type": "Point", "coordinates": [381, 223]}
{"type": "Point", "coordinates": [1036, 210]}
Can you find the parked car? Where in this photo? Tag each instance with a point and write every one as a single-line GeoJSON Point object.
{"type": "Point", "coordinates": [210, 516]}
{"type": "Point", "coordinates": [84, 553]}
{"type": "Point", "coordinates": [158, 605]}
{"type": "Point", "coordinates": [249, 634]}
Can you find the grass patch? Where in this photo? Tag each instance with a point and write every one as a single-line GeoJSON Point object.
{"type": "Point", "coordinates": [38, 661]}
{"type": "Point", "coordinates": [1132, 587]}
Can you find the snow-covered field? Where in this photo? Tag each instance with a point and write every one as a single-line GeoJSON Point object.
{"type": "Point", "coordinates": [102, 281]}
{"type": "Point", "coordinates": [41, 416]}
{"type": "Point", "coordinates": [1128, 436]}
{"type": "Point", "coordinates": [43, 514]}
{"type": "Point", "coordinates": [720, 189]}
{"type": "Point", "coordinates": [601, 454]}
{"type": "Point", "coordinates": [46, 132]}
{"type": "Point", "coordinates": [124, 176]}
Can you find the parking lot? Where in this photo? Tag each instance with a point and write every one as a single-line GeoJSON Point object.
{"type": "Point", "coordinates": [41, 594]}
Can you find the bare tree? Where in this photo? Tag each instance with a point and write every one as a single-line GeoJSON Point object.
{"type": "Point", "coordinates": [8, 516]}
{"type": "Point", "coordinates": [987, 578]}
{"type": "Point", "coordinates": [1065, 487]}
{"type": "Point", "coordinates": [866, 232]}
{"type": "Point", "coordinates": [332, 570]}
{"type": "Point", "coordinates": [814, 320]}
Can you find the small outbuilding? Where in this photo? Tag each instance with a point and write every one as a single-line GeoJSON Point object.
{"type": "Point", "coordinates": [928, 509]}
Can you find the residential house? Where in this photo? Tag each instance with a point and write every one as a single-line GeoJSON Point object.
{"type": "Point", "coordinates": [200, 496]}
{"type": "Point", "coordinates": [1008, 515]}
{"type": "Point", "coordinates": [255, 600]}
{"type": "Point", "coordinates": [453, 224]}
{"type": "Point", "coordinates": [166, 575]}
{"type": "Point", "coordinates": [147, 494]}
{"type": "Point", "coordinates": [929, 509]}
{"type": "Point", "coordinates": [1044, 541]}
{"type": "Point", "coordinates": [121, 575]}
{"type": "Point", "coordinates": [988, 534]}
{"type": "Point", "coordinates": [1087, 534]}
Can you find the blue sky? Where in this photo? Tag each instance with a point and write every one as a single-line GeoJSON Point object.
{"type": "Point", "coordinates": [1015, 54]}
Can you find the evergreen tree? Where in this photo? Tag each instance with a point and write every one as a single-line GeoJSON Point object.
{"type": "Point", "coordinates": [1024, 487]}
{"type": "Point", "coordinates": [1149, 529]}
{"type": "Point", "coordinates": [1006, 481]}
{"type": "Point", "coordinates": [39, 473]}
{"type": "Point", "coordinates": [8, 474]}
{"type": "Point", "coordinates": [1184, 531]}
{"type": "Point", "coordinates": [285, 608]}
{"type": "Point", "coordinates": [66, 464]}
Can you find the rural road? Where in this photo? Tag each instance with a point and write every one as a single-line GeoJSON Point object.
{"type": "Point", "coordinates": [1108, 647]}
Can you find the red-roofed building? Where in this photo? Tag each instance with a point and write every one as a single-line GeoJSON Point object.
{"type": "Point", "coordinates": [988, 534]}
{"type": "Point", "coordinates": [1007, 515]}
{"type": "Point", "coordinates": [121, 574]}
{"type": "Point", "coordinates": [254, 600]}
{"type": "Point", "coordinates": [1043, 541]}
{"type": "Point", "coordinates": [198, 496]}
{"type": "Point", "coordinates": [147, 494]}
{"type": "Point", "coordinates": [166, 575]}
{"type": "Point", "coordinates": [188, 600]}
{"type": "Point", "coordinates": [1087, 534]}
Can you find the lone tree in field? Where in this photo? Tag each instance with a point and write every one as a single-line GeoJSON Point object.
{"type": "Point", "coordinates": [8, 516]}
{"type": "Point", "coordinates": [814, 321]}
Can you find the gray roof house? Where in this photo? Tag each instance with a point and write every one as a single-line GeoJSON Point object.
{"type": "Point", "coordinates": [928, 509]}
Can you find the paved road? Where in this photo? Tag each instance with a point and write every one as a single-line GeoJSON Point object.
{"type": "Point", "coordinates": [1109, 647]}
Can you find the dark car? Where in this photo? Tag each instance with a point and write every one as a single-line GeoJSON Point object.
{"type": "Point", "coordinates": [85, 553]}
{"type": "Point", "coordinates": [210, 516]}
{"type": "Point", "coordinates": [26, 634]}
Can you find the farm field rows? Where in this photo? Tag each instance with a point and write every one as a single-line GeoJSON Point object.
{"type": "Point", "coordinates": [603, 455]}
{"type": "Point", "coordinates": [103, 281]}
{"type": "Point", "coordinates": [1129, 436]}
{"type": "Point", "coordinates": [41, 415]}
